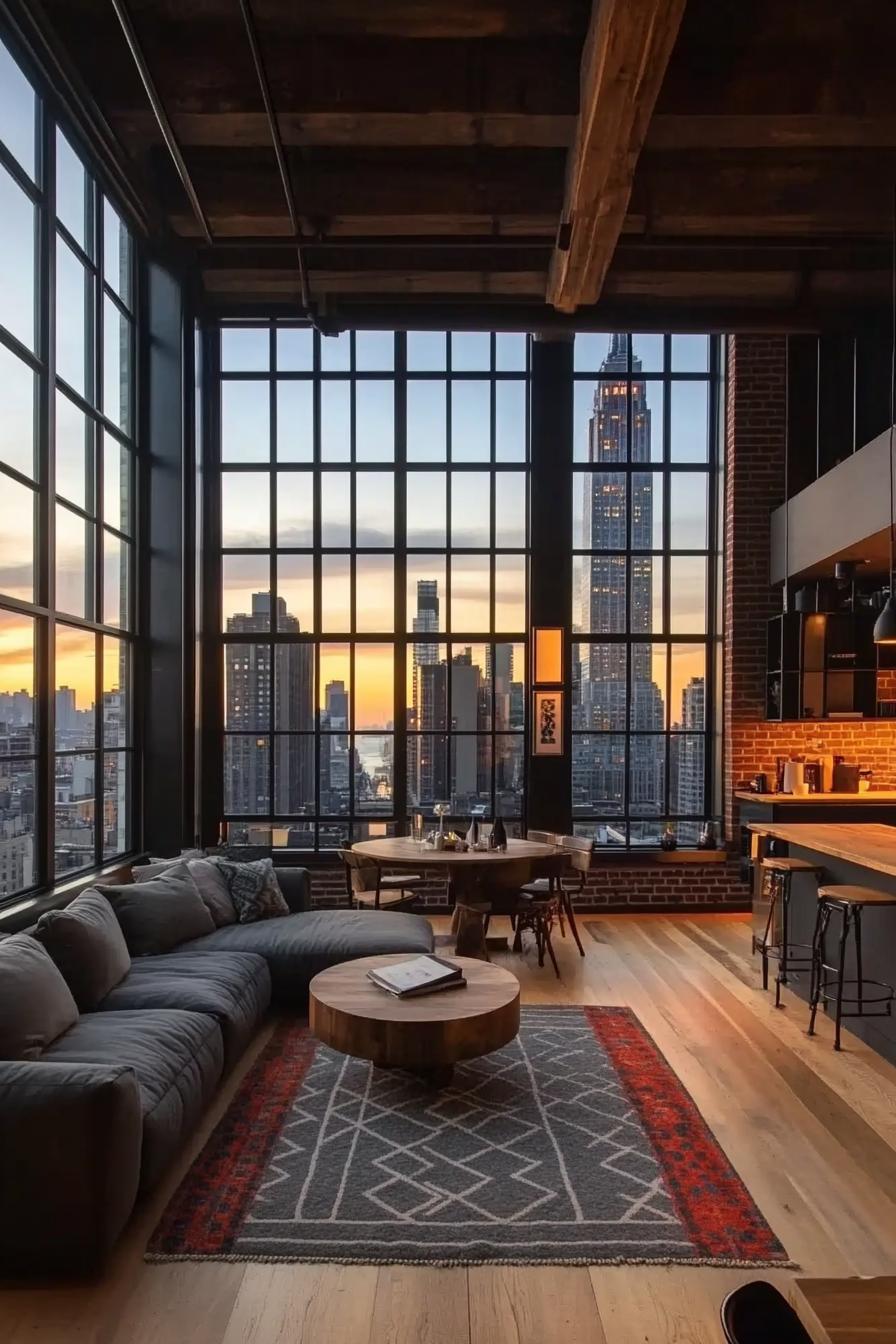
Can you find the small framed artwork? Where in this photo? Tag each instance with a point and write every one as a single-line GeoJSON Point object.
{"type": "Point", "coordinates": [547, 723]}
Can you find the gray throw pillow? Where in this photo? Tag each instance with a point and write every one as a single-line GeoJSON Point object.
{"type": "Point", "coordinates": [153, 867]}
{"type": "Point", "coordinates": [36, 1005]}
{"type": "Point", "coordinates": [161, 913]}
{"type": "Point", "coordinates": [212, 887]}
{"type": "Point", "coordinates": [86, 943]}
{"type": "Point", "coordinates": [254, 889]}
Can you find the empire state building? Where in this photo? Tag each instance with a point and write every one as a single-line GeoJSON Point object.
{"type": "Point", "coordinates": [615, 598]}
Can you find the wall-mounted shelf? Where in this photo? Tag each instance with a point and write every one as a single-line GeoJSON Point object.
{"type": "Point", "coordinates": [822, 666]}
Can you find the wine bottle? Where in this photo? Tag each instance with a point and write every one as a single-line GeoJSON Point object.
{"type": "Point", "coordinates": [499, 835]}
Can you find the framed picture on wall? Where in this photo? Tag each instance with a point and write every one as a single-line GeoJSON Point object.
{"type": "Point", "coordinates": [547, 723]}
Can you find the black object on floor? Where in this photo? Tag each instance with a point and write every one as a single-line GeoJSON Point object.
{"type": "Point", "coordinates": [756, 1313]}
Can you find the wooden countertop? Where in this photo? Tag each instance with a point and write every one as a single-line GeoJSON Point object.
{"type": "Point", "coordinates": [845, 1311]}
{"type": "Point", "coordinates": [870, 845]}
{"type": "Point", "coordinates": [872, 796]}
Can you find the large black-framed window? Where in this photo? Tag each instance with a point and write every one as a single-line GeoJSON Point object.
{"type": "Point", "coordinates": [370, 583]}
{"type": "Point", "coordinates": [645, 462]}
{"type": "Point", "coordinates": [68, 450]}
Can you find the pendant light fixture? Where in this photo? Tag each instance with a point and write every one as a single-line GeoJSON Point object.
{"type": "Point", "coordinates": [885, 625]}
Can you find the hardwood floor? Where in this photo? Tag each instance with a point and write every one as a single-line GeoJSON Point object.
{"type": "Point", "coordinates": [812, 1133]}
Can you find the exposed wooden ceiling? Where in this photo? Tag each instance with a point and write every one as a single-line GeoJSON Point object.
{"type": "Point", "coordinates": [650, 163]}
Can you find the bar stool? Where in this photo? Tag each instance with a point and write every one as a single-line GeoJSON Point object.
{"type": "Point", "coordinates": [849, 902]}
{"type": "Point", "coordinates": [777, 875]}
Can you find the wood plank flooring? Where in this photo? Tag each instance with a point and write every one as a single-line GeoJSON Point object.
{"type": "Point", "coordinates": [812, 1133]}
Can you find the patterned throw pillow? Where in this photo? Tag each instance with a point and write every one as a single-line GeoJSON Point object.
{"type": "Point", "coordinates": [254, 889]}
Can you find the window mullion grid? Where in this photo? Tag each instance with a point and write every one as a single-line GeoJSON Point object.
{"type": "Point", "coordinates": [400, 499]}
{"type": "Point", "coordinates": [317, 569]}
{"type": "Point", "coordinates": [667, 565]}
{"type": "Point", "coordinates": [353, 592]}
{"type": "Point", "coordinates": [493, 564]}
{"type": "Point", "coordinates": [46, 566]}
{"type": "Point", "coordinates": [630, 581]}
{"type": "Point", "coordinates": [272, 573]}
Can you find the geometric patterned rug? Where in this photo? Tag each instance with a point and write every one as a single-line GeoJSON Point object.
{"type": "Point", "coordinates": [574, 1144]}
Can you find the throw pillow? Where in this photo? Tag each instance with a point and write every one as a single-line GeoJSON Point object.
{"type": "Point", "coordinates": [212, 887]}
{"type": "Point", "coordinates": [161, 913]}
{"type": "Point", "coordinates": [86, 943]}
{"type": "Point", "coordinates": [36, 1005]}
{"type": "Point", "coordinates": [254, 889]}
{"type": "Point", "coordinates": [153, 867]}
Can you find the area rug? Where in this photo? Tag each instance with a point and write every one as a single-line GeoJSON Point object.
{"type": "Point", "coordinates": [575, 1144]}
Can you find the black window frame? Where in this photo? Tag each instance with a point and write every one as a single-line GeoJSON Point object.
{"type": "Point", "coordinates": [246, 828]}
{"type": "Point", "coordinates": [50, 235]}
{"type": "Point", "coordinates": [588, 821]}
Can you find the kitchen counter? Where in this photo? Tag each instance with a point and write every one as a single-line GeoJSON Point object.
{"type": "Point", "coordinates": [860, 853]}
{"type": "Point", "coordinates": [870, 846]}
{"type": "Point", "coordinates": [856, 799]}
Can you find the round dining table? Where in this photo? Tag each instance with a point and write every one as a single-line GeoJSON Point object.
{"type": "Point", "coordinates": [476, 878]}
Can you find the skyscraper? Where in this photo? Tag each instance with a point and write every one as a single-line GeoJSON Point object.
{"type": "Point", "coordinates": [616, 598]}
{"type": "Point", "coordinates": [691, 754]}
{"type": "Point", "coordinates": [248, 711]}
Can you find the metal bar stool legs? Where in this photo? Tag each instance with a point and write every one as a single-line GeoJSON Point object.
{"type": "Point", "coordinates": [777, 877]}
{"type": "Point", "coordinates": [857, 993]}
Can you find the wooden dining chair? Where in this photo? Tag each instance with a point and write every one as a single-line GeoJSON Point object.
{"type": "Point", "coordinates": [369, 888]}
{"type": "Point", "coordinates": [577, 849]}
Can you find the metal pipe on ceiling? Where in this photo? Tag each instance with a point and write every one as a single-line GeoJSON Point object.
{"type": "Point", "coordinates": [280, 153]}
{"type": "Point", "coordinates": [161, 116]}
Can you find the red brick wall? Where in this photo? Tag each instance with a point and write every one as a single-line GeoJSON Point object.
{"type": "Point", "coordinates": [754, 486]}
{"type": "Point", "coordinates": [610, 886]}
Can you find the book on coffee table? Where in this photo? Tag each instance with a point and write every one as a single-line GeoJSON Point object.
{"type": "Point", "coordinates": [419, 975]}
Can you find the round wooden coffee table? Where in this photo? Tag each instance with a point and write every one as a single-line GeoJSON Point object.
{"type": "Point", "coordinates": [428, 1034]}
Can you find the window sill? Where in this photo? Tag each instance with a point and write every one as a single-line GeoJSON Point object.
{"type": "Point", "coordinates": [649, 858]}
{"type": "Point", "coordinates": [22, 912]}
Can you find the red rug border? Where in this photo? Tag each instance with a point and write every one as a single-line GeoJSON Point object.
{"type": "Point", "coordinates": [218, 1187]}
{"type": "Point", "coordinates": [723, 1220]}
{"type": "Point", "coordinates": [710, 1197]}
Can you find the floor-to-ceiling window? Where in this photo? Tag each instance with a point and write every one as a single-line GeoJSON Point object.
{"type": "Point", "coordinates": [644, 537]}
{"type": "Point", "coordinates": [372, 580]}
{"type": "Point", "coordinates": [67, 517]}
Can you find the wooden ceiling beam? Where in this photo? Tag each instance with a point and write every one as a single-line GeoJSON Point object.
{"type": "Point", "coordinates": [626, 53]}
{"type": "Point", "coordinates": [385, 182]}
{"type": "Point", "coordinates": [366, 281]}
{"type": "Point", "coordinates": [770, 131]}
{"type": "Point", "coordinates": [500, 130]}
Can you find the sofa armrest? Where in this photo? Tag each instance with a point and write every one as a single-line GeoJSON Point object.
{"type": "Point", "coordinates": [70, 1146]}
{"type": "Point", "coordinates": [295, 883]}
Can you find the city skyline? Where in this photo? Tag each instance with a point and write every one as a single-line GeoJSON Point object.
{"type": "Point", "coordinates": [620, 687]}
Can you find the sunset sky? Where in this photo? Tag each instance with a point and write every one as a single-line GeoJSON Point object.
{"type": "Point", "coordinates": [430, 524]}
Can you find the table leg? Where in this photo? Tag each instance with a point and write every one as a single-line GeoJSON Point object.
{"type": "Point", "coordinates": [470, 927]}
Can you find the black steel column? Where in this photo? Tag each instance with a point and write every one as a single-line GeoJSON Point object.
{"type": "Point", "coordinates": [549, 794]}
{"type": "Point", "coordinates": [165, 794]}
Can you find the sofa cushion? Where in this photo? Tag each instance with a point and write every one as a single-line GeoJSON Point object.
{"type": "Point", "coordinates": [177, 1057]}
{"type": "Point", "coordinates": [298, 946]}
{"type": "Point", "coordinates": [253, 888]}
{"type": "Point", "coordinates": [232, 987]}
{"type": "Point", "coordinates": [212, 887]}
{"type": "Point", "coordinates": [36, 1005]}
{"type": "Point", "coordinates": [209, 880]}
{"type": "Point", "coordinates": [86, 943]}
{"type": "Point", "coordinates": [158, 914]}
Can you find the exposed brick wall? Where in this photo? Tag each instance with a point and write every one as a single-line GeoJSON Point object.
{"type": "Point", "coordinates": [610, 886]}
{"type": "Point", "coordinates": [754, 486]}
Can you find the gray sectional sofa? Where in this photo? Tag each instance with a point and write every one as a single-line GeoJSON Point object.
{"type": "Point", "coordinates": [91, 1116]}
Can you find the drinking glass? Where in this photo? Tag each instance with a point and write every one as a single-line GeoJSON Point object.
{"type": "Point", "coordinates": [417, 827]}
